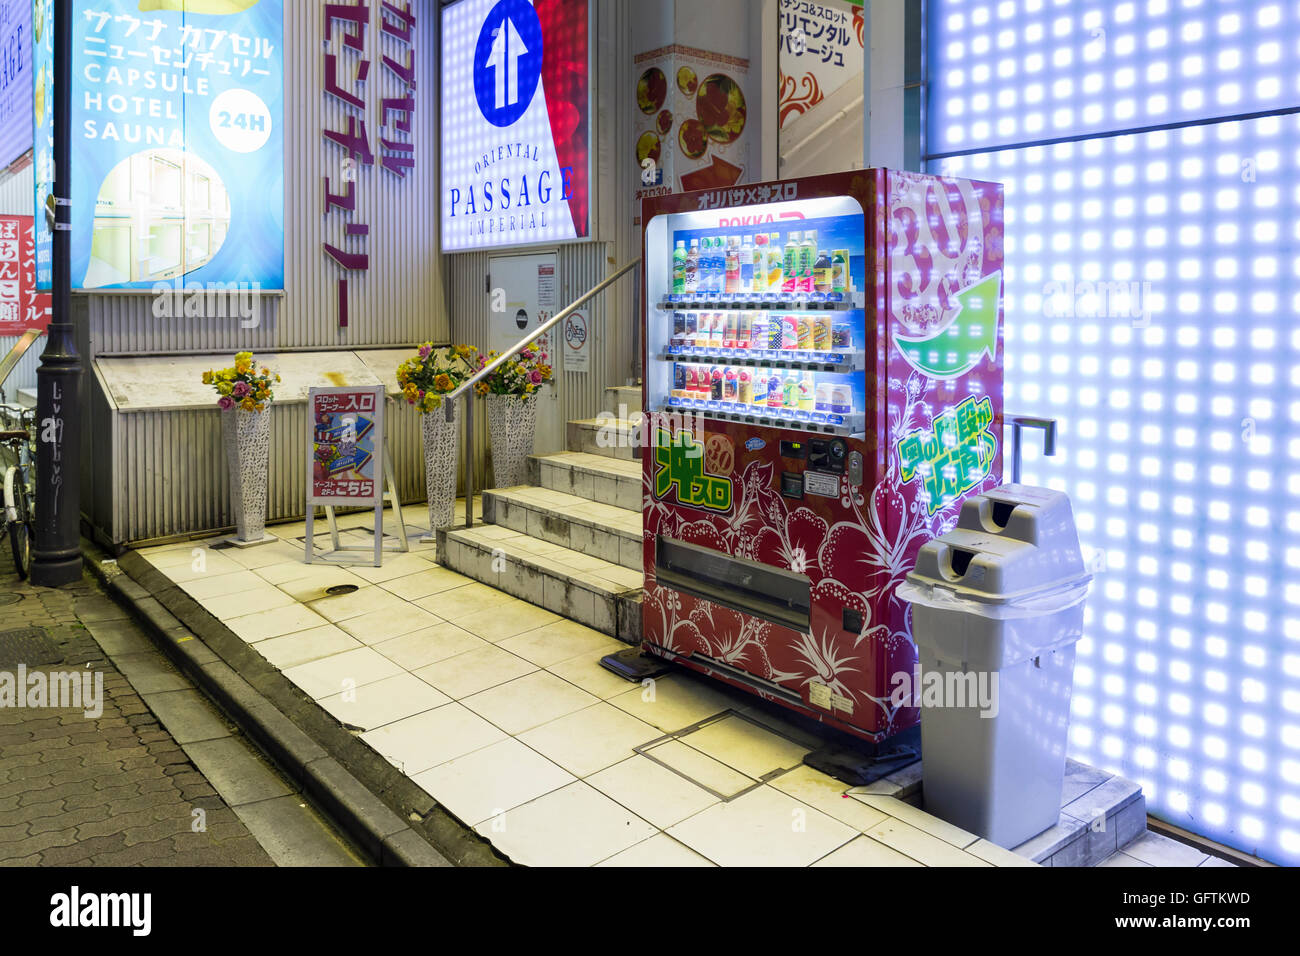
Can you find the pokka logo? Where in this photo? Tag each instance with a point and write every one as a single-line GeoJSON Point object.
{"type": "Point", "coordinates": [681, 464]}
{"type": "Point", "coordinates": [952, 458]}
{"type": "Point", "coordinates": [508, 61]}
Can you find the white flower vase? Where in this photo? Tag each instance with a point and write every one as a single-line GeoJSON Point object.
{"type": "Point", "coordinates": [512, 421]}
{"type": "Point", "coordinates": [440, 437]}
{"type": "Point", "coordinates": [247, 436]}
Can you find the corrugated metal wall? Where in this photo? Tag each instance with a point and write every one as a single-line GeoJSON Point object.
{"type": "Point", "coordinates": [169, 477]}
{"type": "Point", "coordinates": [399, 300]}
{"type": "Point", "coordinates": [17, 197]}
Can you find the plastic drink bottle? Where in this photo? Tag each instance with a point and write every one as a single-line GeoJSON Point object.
{"type": "Point", "coordinates": [775, 263]}
{"type": "Point", "coordinates": [729, 385]}
{"type": "Point", "coordinates": [839, 270]}
{"type": "Point", "coordinates": [807, 258]}
{"type": "Point", "coordinates": [807, 392]}
{"type": "Point", "coordinates": [774, 399]}
{"type": "Point", "coordinates": [822, 273]}
{"type": "Point", "coordinates": [790, 391]}
{"type": "Point", "coordinates": [732, 282]}
{"type": "Point", "coordinates": [679, 267]}
{"type": "Point", "coordinates": [715, 383]}
{"type": "Point", "coordinates": [745, 388]}
{"type": "Point", "coordinates": [691, 268]}
{"type": "Point", "coordinates": [759, 256]}
{"type": "Point", "coordinates": [747, 265]}
{"type": "Point", "coordinates": [791, 264]}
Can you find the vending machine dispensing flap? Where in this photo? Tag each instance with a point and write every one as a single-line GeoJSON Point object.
{"type": "Point", "coordinates": [774, 594]}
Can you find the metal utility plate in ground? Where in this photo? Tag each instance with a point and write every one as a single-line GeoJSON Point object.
{"type": "Point", "coordinates": [28, 645]}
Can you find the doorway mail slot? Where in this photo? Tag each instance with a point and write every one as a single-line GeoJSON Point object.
{"type": "Point", "coordinates": [774, 594]}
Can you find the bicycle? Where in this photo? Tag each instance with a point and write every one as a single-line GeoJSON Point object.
{"type": "Point", "coordinates": [19, 481]}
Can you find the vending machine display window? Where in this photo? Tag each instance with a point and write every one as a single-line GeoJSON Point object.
{"type": "Point", "coordinates": [762, 322]}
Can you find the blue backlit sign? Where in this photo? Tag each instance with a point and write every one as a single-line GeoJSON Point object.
{"type": "Point", "coordinates": [178, 144]}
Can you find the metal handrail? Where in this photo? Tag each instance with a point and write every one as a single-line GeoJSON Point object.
{"type": "Point", "coordinates": [466, 387]}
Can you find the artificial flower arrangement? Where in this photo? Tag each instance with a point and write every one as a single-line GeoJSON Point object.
{"type": "Point", "coordinates": [521, 376]}
{"type": "Point", "coordinates": [242, 386]}
{"type": "Point", "coordinates": [433, 372]}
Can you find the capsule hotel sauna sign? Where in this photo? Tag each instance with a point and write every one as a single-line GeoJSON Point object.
{"type": "Point", "coordinates": [516, 148]}
{"type": "Point", "coordinates": [178, 143]}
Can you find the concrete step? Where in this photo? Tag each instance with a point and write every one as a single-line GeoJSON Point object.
{"type": "Point", "coordinates": [607, 436]}
{"type": "Point", "coordinates": [605, 531]}
{"type": "Point", "coordinates": [611, 481]}
{"type": "Point", "coordinates": [624, 401]}
{"type": "Point", "coordinates": [583, 588]}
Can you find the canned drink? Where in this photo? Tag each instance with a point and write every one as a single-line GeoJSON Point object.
{"type": "Point", "coordinates": [841, 336]}
{"type": "Point", "coordinates": [822, 333]}
{"type": "Point", "coordinates": [775, 331]}
{"type": "Point", "coordinates": [758, 332]}
{"type": "Point", "coordinates": [822, 402]}
{"type": "Point", "coordinates": [806, 333]}
{"type": "Point", "coordinates": [790, 332]}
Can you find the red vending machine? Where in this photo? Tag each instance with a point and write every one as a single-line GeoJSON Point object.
{"type": "Point", "coordinates": [823, 387]}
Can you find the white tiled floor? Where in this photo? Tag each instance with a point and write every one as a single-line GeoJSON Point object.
{"type": "Point", "coordinates": [500, 710]}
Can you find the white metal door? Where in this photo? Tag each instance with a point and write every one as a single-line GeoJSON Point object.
{"type": "Point", "coordinates": [529, 294]}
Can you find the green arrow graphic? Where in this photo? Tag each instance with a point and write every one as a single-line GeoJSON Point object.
{"type": "Point", "coordinates": [959, 345]}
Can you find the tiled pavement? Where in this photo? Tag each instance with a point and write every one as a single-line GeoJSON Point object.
{"type": "Point", "coordinates": [123, 789]}
{"type": "Point", "coordinates": [499, 709]}
{"type": "Point", "coordinates": [113, 791]}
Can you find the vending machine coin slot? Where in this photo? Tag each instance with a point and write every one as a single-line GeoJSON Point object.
{"type": "Point", "coordinates": [828, 455]}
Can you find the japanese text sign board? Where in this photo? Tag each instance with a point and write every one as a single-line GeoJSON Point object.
{"type": "Point", "coordinates": [345, 446]}
{"type": "Point", "coordinates": [21, 306]}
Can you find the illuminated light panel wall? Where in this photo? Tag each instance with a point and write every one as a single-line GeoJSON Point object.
{"type": "Point", "coordinates": [1014, 71]}
{"type": "Point", "coordinates": [1152, 293]}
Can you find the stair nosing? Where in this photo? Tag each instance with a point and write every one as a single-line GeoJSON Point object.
{"type": "Point", "coordinates": [549, 568]}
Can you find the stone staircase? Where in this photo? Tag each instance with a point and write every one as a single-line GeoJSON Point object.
{"type": "Point", "coordinates": [570, 541]}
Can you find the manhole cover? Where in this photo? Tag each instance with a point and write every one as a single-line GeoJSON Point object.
{"type": "Point", "coordinates": [27, 645]}
{"type": "Point", "coordinates": [337, 589]}
{"type": "Point", "coordinates": [8, 597]}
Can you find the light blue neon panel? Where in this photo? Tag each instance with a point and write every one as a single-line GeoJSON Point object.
{"type": "Point", "coordinates": [1152, 293]}
{"type": "Point", "coordinates": [1017, 71]}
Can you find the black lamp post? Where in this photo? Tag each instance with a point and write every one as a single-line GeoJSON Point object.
{"type": "Point", "coordinates": [56, 558]}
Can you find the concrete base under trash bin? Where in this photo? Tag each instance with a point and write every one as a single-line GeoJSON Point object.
{"type": "Point", "coordinates": [1000, 776]}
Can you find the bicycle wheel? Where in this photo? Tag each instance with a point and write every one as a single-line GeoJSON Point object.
{"type": "Point", "coordinates": [20, 534]}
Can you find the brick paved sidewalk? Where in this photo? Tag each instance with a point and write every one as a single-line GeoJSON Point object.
{"type": "Point", "coordinates": [112, 791]}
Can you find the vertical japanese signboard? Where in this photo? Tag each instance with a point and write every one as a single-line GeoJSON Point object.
{"type": "Point", "coordinates": [177, 143]}
{"type": "Point", "coordinates": [350, 51]}
{"type": "Point", "coordinates": [15, 79]}
{"type": "Point", "coordinates": [516, 123]}
{"type": "Point", "coordinates": [345, 445]}
{"type": "Point", "coordinates": [21, 306]}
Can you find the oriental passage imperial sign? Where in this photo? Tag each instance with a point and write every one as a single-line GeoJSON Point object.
{"type": "Point", "coordinates": [516, 156]}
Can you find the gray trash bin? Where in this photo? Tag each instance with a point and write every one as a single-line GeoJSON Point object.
{"type": "Point", "coordinates": [997, 606]}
